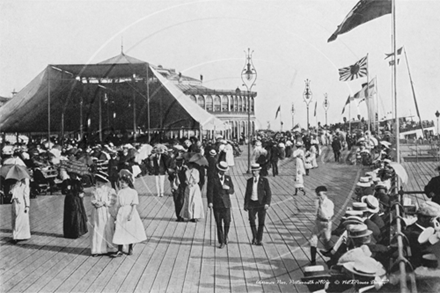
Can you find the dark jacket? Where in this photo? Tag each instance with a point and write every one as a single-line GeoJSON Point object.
{"type": "Point", "coordinates": [218, 196]}
{"type": "Point", "coordinates": [433, 186]}
{"type": "Point", "coordinates": [263, 190]}
{"type": "Point", "coordinates": [159, 166]}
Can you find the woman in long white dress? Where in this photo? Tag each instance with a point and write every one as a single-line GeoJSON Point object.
{"type": "Point", "coordinates": [299, 156]}
{"type": "Point", "coordinates": [129, 228]}
{"type": "Point", "coordinates": [20, 210]}
{"type": "Point", "coordinates": [193, 205]}
{"type": "Point", "coordinates": [102, 220]}
{"type": "Point", "coordinates": [314, 150]}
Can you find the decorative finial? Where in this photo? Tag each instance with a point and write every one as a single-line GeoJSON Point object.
{"type": "Point", "coordinates": [122, 45]}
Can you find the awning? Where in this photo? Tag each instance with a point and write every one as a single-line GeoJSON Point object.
{"type": "Point", "coordinates": [206, 120]}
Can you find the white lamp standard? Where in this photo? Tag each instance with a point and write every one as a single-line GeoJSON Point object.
{"type": "Point", "coordinates": [307, 95]}
{"type": "Point", "coordinates": [249, 76]}
{"type": "Point", "coordinates": [326, 105]}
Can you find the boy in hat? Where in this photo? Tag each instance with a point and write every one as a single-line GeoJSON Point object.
{"type": "Point", "coordinates": [219, 190]}
{"type": "Point", "coordinates": [256, 201]}
{"type": "Point", "coordinates": [323, 222]}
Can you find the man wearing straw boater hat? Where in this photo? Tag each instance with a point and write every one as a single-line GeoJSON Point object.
{"type": "Point", "coordinates": [219, 190]}
{"type": "Point", "coordinates": [256, 201]}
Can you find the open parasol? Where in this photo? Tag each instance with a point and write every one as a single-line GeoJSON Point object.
{"type": "Point", "coordinates": [199, 160]}
{"type": "Point", "coordinates": [17, 172]}
{"type": "Point", "coordinates": [400, 171]}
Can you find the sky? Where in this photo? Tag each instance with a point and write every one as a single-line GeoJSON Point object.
{"type": "Point", "coordinates": [288, 39]}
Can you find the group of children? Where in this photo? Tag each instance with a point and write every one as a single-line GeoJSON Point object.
{"type": "Point", "coordinates": [114, 218]}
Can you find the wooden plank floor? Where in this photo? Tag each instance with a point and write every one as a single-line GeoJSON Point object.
{"type": "Point", "coordinates": [182, 257]}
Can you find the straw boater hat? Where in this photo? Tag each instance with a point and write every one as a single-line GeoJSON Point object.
{"type": "Point", "coordinates": [212, 152]}
{"type": "Point", "coordinates": [365, 267]}
{"type": "Point", "coordinates": [429, 209]}
{"type": "Point", "coordinates": [364, 182]}
{"type": "Point", "coordinates": [102, 176]}
{"type": "Point", "coordinates": [359, 206]}
{"type": "Point", "coordinates": [222, 166]}
{"type": "Point", "coordinates": [358, 231]}
{"type": "Point", "coordinates": [352, 220]}
{"type": "Point", "coordinates": [350, 213]}
{"type": "Point", "coordinates": [255, 167]}
{"type": "Point", "coordinates": [372, 203]}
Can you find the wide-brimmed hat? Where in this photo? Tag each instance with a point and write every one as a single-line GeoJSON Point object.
{"type": "Point", "coordinates": [222, 166]}
{"type": "Point", "coordinates": [358, 230]}
{"type": "Point", "coordinates": [429, 209]}
{"type": "Point", "coordinates": [212, 152]}
{"type": "Point", "coordinates": [364, 184]}
{"type": "Point", "coordinates": [299, 144]}
{"type": "Point", "coordinates": [372, 203]}
{"type": "Point", "coordinates": [124, 173]}
{"type": "Point", "coordinates": [387, 161]}
{"type": "Point", "coordinates": [359, 206]}
{"type": "Point", "coordinates": [102, 176]}
{"type": "Point", "coordinates": [258, 143]}
{"type": "Point", "coordinates": [320, 188]}
{"type": "Point", "coordinates": [366, 267]}
{"type": "Point", "coordinates": [314, 272]}
{"type": "Point", "coordinates": [381, 185]}
{"type": "Point", "coordinates": [255, 167]}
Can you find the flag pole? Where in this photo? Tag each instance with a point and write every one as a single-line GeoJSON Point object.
{"type": "Point", "coordinates": [395, 87]}
{"type": "Point", "coordinates": [281, 122]}
{"type": "Point", "coordinates": [368, 96]}
{"type": "Point", "coordinates": [413, 92]}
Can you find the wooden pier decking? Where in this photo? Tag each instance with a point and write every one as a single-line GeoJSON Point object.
{"type": "Point", "coordinates": [183, 257]}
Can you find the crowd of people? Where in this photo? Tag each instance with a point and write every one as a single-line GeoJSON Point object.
{"type": "Point", "coordinates": [363, 245]}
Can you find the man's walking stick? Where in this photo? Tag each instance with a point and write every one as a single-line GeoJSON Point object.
{"type": "Point", "coordinates": [210, 226]}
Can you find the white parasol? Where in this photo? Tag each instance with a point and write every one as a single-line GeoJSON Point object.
{"type": "Point", "coordinates": [400, 171]}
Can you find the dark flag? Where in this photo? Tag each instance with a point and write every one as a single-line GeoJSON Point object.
{"type": "Point", "coordinates": [364, 11]}
{"type": "Point", "coordinates": [278, 111]}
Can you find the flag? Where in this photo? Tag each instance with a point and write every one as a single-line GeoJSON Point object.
{"type": "Point", "coordinates": [391, 62]}
{"type": "Point", "coordinates": [278, 111]}
{"type": "Point", "coordinates": [362, 94]}
{"type": "Point", "coordinates": [359, 69]}
{"type": "Point", "coordinates": [364, 11]}
{"type": "Point", "coordinates": [316, 105]}
{"type": "Point", "coordinates": [349, 99]}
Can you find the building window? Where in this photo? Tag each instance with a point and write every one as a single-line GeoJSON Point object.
{"type": "Point", "coordinates": [201, 101]}
{"type": "Point", "coordinates": [217, 104]}
{"type": "Point", "coordinates": [236, 103]}
{"type": "Point", "coordinates": [224, 103]}
{"type": "Point", "coordinates": [240, 104]}
{"type": "Point", "coordinates": [209, 104]}
{"type": "Point", "coordinates": [252, 105]}
{"type": "Point", "coordinates": [193, 99]}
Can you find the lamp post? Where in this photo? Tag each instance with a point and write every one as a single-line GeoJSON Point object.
{"type": "Point", "coordinates": [249, 76]}
{"type": "Point", "coordinates": [326, 105]}
{"type": "Point", "coordinates": [307, 95]}
{"type": "Point", "coordinates": [437, 114]}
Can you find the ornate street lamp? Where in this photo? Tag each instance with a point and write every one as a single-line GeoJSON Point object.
{"type": "Point", "coordinates": [307, 95]}
{"type": "Point", "coordinates": [437, 114]}
{"type": "Point", "coordinates": [249, 76]}
{"type": "Point", "coordinates": [326, 105]}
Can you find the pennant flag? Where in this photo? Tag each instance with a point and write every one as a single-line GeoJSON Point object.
{"type": "Point", "coordinates": [362, 94]}
{"type": "Point", "coordinates": [349, 99]}
{"type": "Point", "coordinates": [391, 62]}
{"type": "Point", "coordinates": [364, 11]}
{"type": "Point", "coordinates": [278, 111]}
{"type": "Point", "coordinates": [359, 69]}
{"type": "Point", "coordinates": [316, 105]}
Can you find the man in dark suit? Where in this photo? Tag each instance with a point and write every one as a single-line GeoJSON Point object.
{"type": "Point", "coordinates": [257, 201]}
{"type": "Point", "coordinates": [219, 189]}
{"type": "Point", "coordinates": [177, 180]}
{"type": "Point", "coordinates": [432, 189]}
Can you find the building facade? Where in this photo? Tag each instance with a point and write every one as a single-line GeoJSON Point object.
{"type": "Point", "coordinates": [236, 108]}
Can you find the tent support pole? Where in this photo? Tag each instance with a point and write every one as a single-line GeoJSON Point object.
{"type": "Point", "coordinates": [48, 104]}
{"type": "Point", "coordinates": [81, 118]}
{"type": "Point", "coordinates": [62, 124]}
{"type": "Point", "coordinates": [100, 118]}
{"type": "Point", "coordinates": [148, 105]}
{"type": "Point", "coordinates": [134, 116]}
